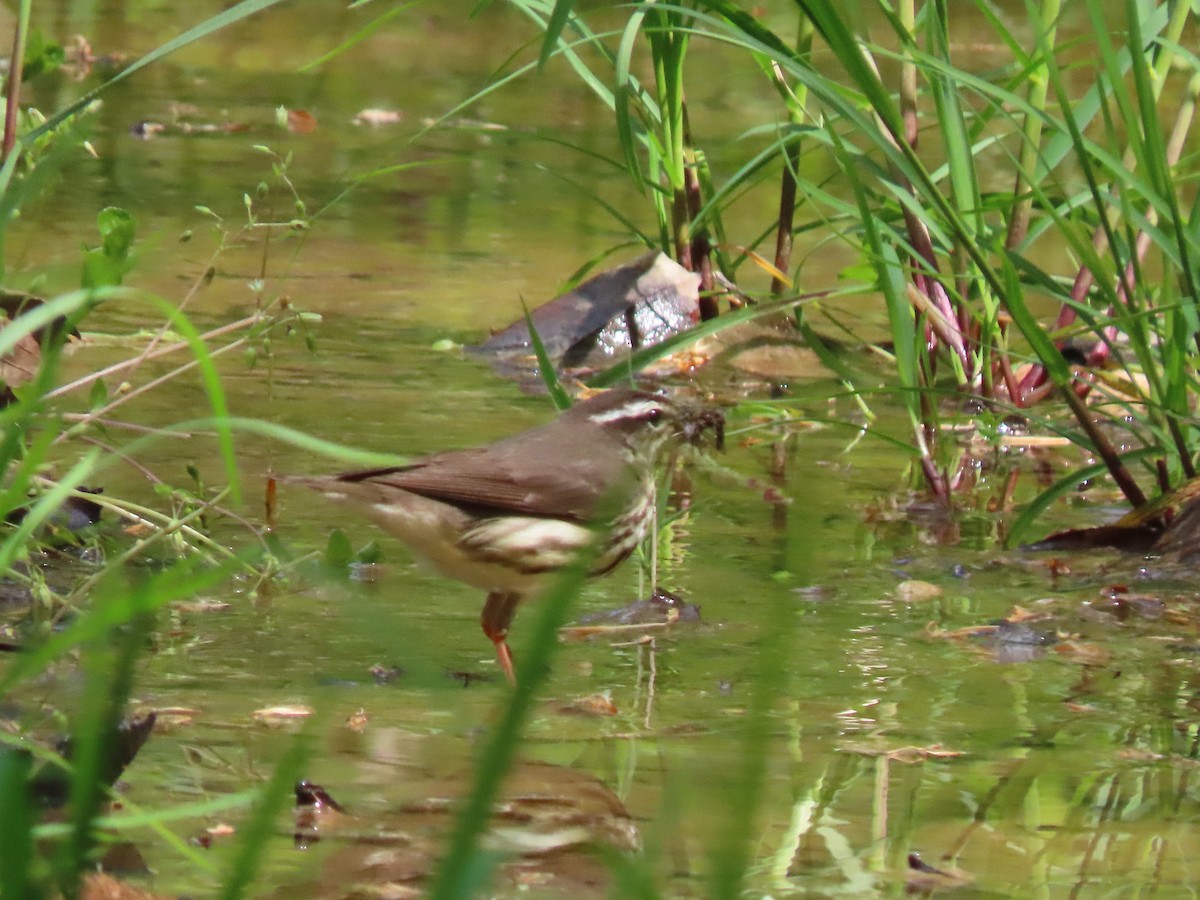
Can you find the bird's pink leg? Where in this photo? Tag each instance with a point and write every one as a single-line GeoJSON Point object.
{"type": "Point", "coordinates": [497, 614]}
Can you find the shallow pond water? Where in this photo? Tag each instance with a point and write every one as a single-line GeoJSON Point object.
{"type": "Point", "coordinates": [848, 714]}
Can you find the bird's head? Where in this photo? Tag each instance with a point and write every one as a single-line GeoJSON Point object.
{"type": "Point", "coordinates": [644, 421]}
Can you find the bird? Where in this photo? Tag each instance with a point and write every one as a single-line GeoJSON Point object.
{"type": "Point", "coordinates": [507, 516]}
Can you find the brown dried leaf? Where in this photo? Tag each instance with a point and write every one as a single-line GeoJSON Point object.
{"type": "Point", "coordinates": [1021, 614]}
{"type": "Point", "coordinates": [914, 591]}
{"type": "Point", "coordinates": [174, 716]}
{"type": "Point", "coordinates": [301, 121]}
{"type": "Point", "coordinates": [200, 606]}
{"type": "Point", "coordinates": [917, 754]}
{"type": "Point", "coordinates": [933, 630]}
{"type": "Point", "coordinates": [277, 715]}
{"type": "Point", "coordinates": [591, 705]}
{"type": "Point", "coordinates": [1083, 653]}
{"type": "Point", "coordinates": [376, 117]}
{"type": "Point", "coordinates": [1133, 754]}
{"type": "Point", "coordinates": [358, 721]}
{"type": "Point", "coordinates": [19, 366]}
{"type": "Point", "coordinates": [908, 755]}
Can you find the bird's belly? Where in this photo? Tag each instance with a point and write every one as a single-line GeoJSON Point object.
{"type": "Point", "coordinates": [513, 554]}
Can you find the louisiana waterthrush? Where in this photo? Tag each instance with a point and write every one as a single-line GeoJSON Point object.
{"type": "Point", "coordinates": [507, 516]}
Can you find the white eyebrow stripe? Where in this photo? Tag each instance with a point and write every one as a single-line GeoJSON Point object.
{"type": "Point", "coordinates": [632, 411]}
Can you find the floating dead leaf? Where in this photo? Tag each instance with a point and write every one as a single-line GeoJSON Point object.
{"type": "Point", "coordinates": [1034, 440]}
{"type": "Point", "coordinates": [1079, 707]}
{"type": "Point", "coordinates": [1179, 617]}
{"type": "Point", "coordinates": [375, 117]}
{"type": "Point", "coordinates": [907, 755]}
{"type": "Point", "coordinates": [101, 886]}
{"type": "Point", "coordinates": [301, 121]}
{"type": "Point", "coordinates": [591, 705]}
{"type": "Point", "coordinates": [200, 606]}
{"type": "Point", "coordinates": [1085, 654]}
{"type": "Point", "coordinates": [1021, 614]}
{"type": "Point", "coordinates": [146, 130]}
{"type": "Point", "coordinates": [913, 591]}
{"type": "Point", "coordinates": [277, 715]}
{"type": "Point", "coordinates": [175, 716]}
{"type": "Point", "coordinates": [1134, 754]}
{"type": "Point", "coordinates": [385, 674]}
{"type": "Point", "coordinates": [934, 630]}
{"type": "Point", "coordinates": [916, 754]}
{"type": "Point", "coordinates": [221, 829]}
{"type": "Point", "coordinates": [1057, 568]}
{"type": "Point", "coordinates": [778, 362]}
{"type": "Point", "coordinates": [139, 530]}
{"type": "Point", "coordinates": [358, 721]}
{"type": "Point", "coordinates": [924, 878]}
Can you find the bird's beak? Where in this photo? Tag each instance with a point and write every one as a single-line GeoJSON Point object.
{"type": "Point", "coordinates": [701, 419]}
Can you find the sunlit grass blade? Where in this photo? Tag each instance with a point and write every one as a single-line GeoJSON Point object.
{"type": "Point", "coordinates": [255, 833]}
{"type": "Point", "coordinates": [546, 368]}
{"type": "Point", "coordinates": [466, 868]}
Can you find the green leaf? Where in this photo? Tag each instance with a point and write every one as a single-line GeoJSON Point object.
{"type": "Point", "coordinates": [338, 551]}
{"type": "Point", "coordinates": [99, 271]}
{"type": "Point", "coordinates": [97, 394]}
{"type": "Point", "coordinates": [41, 56]}
{"type": "Point", "coordinates": [546, 367]}
{"type": "Point", "coordinates": [116, 228]}
{"type": "Point", "coordinates": [554, 28]}
{"type": "Point", "coordinates": [16, 825]}
{"type": "Point", "coordinates": [369, 555]}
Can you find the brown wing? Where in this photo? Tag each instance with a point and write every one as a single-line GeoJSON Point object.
{"type": "Point", "coordinates": [529, 474]}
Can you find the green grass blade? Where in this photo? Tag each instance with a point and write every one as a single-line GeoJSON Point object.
{"type": "Point", "coordinates": [16, 827]}
{"type": "Point", "coordinates": [554, 28]}
{"type": "Point", "coordinates": [465, 869]}
{"type": "Point", "coordinates": [257, 832]}
{"type": "Point", "coordinates": [546, 369]}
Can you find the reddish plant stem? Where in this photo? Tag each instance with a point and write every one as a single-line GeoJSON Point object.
{"type": "Point", "coordinates": [13, 90]}
{"type": "Point", "coordinates": [787, 217]}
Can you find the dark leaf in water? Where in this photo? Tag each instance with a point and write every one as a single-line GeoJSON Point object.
{"type": "Point", "coordinates": [19, 366]}
{"type": "Point", "coordinates": [1133, 539]}
{"type": "Point", "coordinates": [1019, 633]}
{"type": "Point", "coordinates": [313, 795]}
{"type": "Point", "coordinates": [604, 319]}
{"type": "Point", "coordinates": [922, 877]}
{"type": "Point", "coordinates": [661, 607]}
{"type": "Point", "coordinates": [1126, 606]}
{"type": "Point", "coordinates": [466, 679]}
{"type": "Point", "coordinates": [51, 785]}
{"type": "Point", "coordinates": [385, 674]}
{"type": "Point", "coordinates": [74, 515]}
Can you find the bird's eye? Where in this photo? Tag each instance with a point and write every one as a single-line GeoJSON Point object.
{"type": "Point", "coordinates": [654, 416]}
